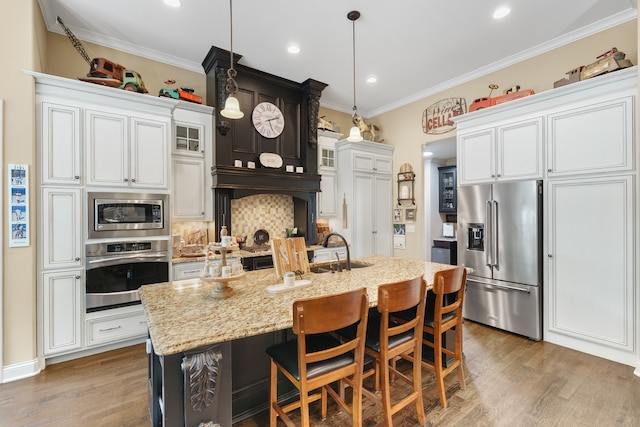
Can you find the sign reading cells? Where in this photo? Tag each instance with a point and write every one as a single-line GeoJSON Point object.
{"type": "Point", "coordinates": [436, 119]}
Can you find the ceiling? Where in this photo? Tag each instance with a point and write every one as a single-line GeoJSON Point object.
{"type": "Point", "coordinates": [414, 51]}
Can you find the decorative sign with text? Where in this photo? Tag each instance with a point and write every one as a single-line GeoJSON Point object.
{"type": "Point", "coordinates": [436, 119]}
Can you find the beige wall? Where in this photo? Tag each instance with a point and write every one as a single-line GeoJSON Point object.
{"type": "Point", "coordinates": [17, 89]}
{"type": "Point", "coordinates": [402, 127]}
{"type": "Point", "coordinates": [33, 48]}
{"type": "Point", "coordinates": [65, 61]}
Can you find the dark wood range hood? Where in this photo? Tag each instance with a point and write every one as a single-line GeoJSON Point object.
{"type": "Point", "coordinates": [239, 140]}
{"type": "Point", "coordinates": [263, 180]}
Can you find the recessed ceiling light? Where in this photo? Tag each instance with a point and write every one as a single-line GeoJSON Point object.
{"type": "Point", "coordinates": [372, 79]}
{"type": "Point", "coordinates": [293, 49]}
{"type": "Point", "coordinates": [427, 153]}
{"type": "Point", "coordinates": [173, 3]}
{"type": "Point", "coordinates": [501, 12]}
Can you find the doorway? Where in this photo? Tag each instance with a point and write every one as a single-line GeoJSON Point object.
{"type": "Point", "coordinates": [434, 154]}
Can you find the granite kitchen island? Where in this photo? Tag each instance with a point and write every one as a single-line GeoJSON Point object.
{"type": "Point", "coordinates": [197, 339]}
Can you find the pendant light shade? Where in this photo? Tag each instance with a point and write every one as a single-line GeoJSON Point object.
{"type": "Point", "coordinates": [232, 108]}
{"type": "Point", "coordinates": [231, 105]}
{"type": "Point", "coordinates": [354, 133]}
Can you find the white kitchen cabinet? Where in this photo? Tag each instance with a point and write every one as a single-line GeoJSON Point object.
{"type": "Point", "coordinates": [187, 270]}
{"type": "Point", "coordinates": [192, 158]}
{"type": "Point", "coordinates": [61, 161]}
{"type": "Point", "coordinates": [61, 240]}
{"type": "Point", "coordinates": [330, 254]}
{"type": "Point", "coordinates": [593, 138]}
{"type": "Point", "coordinates": [88, 136]}
{"type": "Point", "coordinates": [590, 287]}
{"type": "Point", "coordinates": [188, 188]}
{"type": "Point", "coordinates": [327, 167]}
{"type": "Point", "coordinates": [62, 311]}
{"type": "Point", "coordinates": [591, 182]}
{"type": "Point", "coordinates": [505, 152]}
{"type": "Point", "coordinates": [194, 269]}
{"type": "Point", "coordinates": [115, 325]}
{"type": "Point", "coordinates": [365, 178]}
{"type": "Point", "coordinates": [327, 198]}
{"type": "Point", "coordinates": [188, 139]}
{"type": "Point", "coordinates": [126, 151]}
{"type": "Point", "coordinates": [372, 163]}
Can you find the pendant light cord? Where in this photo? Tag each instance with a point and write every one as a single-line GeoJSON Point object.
{"type": "Point", "coordinates": [232, 86]}
{"type": "Point", "coordinates": [353, 22]}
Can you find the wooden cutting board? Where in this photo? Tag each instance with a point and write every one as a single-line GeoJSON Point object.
{"type": "Point", "coordinates": [289, 255]}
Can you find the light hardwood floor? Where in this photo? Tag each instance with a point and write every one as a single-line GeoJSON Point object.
{"type": "Point", "coordinates": [511, 381]}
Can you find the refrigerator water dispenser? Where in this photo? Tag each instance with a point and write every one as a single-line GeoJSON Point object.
{"type": "Point", "coordinates": [475, 240]}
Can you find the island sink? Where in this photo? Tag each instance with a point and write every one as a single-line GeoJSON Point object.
{"type": "Point", "coordinates": [333, 267]}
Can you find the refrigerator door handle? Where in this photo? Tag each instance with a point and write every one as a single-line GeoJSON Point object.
{"type": "Point", "coordinates": [488, 236]}
{"type": "Point", "coordinates": [494, 235]}
{"type": "Point", "coordinates": [501, 286]}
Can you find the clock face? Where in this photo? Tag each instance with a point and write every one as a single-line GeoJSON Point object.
{"type": "Point", "coordinates": [268, 120]}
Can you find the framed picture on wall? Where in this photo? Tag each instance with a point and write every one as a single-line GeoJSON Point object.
{"type": "Point", "coordinates": [19, 205]}
{"type": "Point", "coordinates": [410, 215]}
{"type": "Point", "coordinates": [397, 215]}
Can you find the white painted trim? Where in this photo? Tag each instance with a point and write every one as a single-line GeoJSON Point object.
{"type": "Point", "coordinates": [1, 239]}
{"type": "Point", "coordinates": [21, 371]}
{"type": "Point", "coordinates": [578, 34]}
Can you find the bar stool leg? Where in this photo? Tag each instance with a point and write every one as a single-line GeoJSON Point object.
{"type": "Point", "coordinates": [273, 394]}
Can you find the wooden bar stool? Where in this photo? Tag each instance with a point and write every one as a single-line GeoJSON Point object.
{"type": "Point", "coordinates": [316, 358]}
{"type": "Point", "coordinates": [447, 314]}
{"type": "Point", "coordinates": [388, 340]}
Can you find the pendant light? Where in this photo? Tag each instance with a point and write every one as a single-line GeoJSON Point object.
{"type": "Point", "coordinates": [354, 133]}
{"type": "Point", "coordinates": [231, 105]}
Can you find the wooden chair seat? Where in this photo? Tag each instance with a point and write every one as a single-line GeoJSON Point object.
{"type": "Point", "coordinates": [286, 355]}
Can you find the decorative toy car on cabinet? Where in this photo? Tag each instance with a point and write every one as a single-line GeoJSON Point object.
{"type": "Point", "coordinates": [105, 72]}
{"type": "Point", "coordinates": [609, 61]}
{"type": "Point", "coordinates": [183, 93]}
{"type": "Point", "coordinates": [510, 95]}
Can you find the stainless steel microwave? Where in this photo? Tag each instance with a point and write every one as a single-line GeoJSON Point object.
{"type": "Point", "coordinates": [127, 215]}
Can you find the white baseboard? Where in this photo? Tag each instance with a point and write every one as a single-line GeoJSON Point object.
{"type": "Point", "coordinates": [20, 371]}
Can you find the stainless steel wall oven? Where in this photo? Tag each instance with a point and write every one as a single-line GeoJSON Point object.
{"type": "Point", "coordinates": [115, 271]}
{"type": "Point", "coordinates": [127, 215]}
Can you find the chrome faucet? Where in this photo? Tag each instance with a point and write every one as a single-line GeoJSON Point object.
{"type": "Point", "coordinates": [339, 264]}
{"type": "Point", "coordinates": [326, 242]}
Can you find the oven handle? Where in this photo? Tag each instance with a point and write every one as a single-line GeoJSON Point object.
{"type": "Point", "coordinates": [105, 261]}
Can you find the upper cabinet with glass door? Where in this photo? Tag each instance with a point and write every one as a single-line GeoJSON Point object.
{"type": "Point", "coordinates": [188, 140]}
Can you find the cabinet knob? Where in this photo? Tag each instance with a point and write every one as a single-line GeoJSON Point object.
{"type": "Point", "coordinates": [549, 255]}
{"type": "Point", "coordinates": [201, 213]}
{"type": "Point", "coordinates": [549, 170]}
{"type": "Point", "coordinates": [77, 258]}
{"type": "Point", "coordinates": [499, 175]}
{"type": "Point", "coordinates": [133, 180]}
{"type": "Point", "coordinates": [126, 180]}
{"type": "Point", "coordinates": [493, 176]}
{"type": "Point", "coordinates": [77, 277]}
{"type": "Point", "coordinates": [76, 177]}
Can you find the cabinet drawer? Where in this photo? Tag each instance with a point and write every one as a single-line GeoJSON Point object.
{"type": "Point", "coordinates": [187, 270]}
{"type": "Point", "coordinates": [116, 328]}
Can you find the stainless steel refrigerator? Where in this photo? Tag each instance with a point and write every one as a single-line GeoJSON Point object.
{"type": "Point", "coordinates": [500, 238]}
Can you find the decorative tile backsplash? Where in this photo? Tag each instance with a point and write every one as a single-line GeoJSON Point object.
{"type": "Point", "coordinates": [271, 212]}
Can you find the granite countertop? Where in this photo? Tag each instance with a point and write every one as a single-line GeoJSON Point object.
{"type": "Point", "coordinates": [184, 315]}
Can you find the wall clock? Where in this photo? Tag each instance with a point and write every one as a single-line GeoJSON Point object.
{"type": "Point", "coordinates": [268, 120]}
